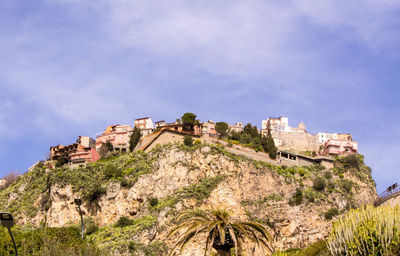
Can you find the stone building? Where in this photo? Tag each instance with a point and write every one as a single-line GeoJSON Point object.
{"type": "Point", "coordinates": [117, 135]}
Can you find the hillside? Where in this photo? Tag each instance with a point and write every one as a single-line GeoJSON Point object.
{"type": "Point", "coordinates": [296, 203]}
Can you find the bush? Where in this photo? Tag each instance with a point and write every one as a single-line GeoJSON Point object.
{"type": "Point", "coordinates": [351, 161]}
{"type": "Point", "coordinates": [47, 242]}
{"type": "Point", "coordinates": [94, 191]}
{"type": "Point", "coordinates": [188, 140]}
{"type": "Point", "coordinates": [297, 197]}
{"type": "Point", "coordinates": [91, 227]}
{"type": "Point", "coordinates": [328, 175]}
{"type": "Point", "coordinates": [124, 222]}
{"type": "Point", "coordinates": [331, 213]}
{"type": "Point", "coordinates": [319, 184]}
{"type": "Point", "coordinates": [366, 231]}
{"type": "Point", "coordinates": [153, 202]}
{"type": "Point", "coordinates": [112, 171]}
{"type": "Point", "coordinates": [346, 185]}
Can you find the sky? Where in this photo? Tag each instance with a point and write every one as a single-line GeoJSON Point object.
{"type": "Point", "coordinates": [72, 67]}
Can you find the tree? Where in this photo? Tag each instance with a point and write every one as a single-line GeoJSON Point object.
{"type": "Point", "coordinates": [105, 149]}
{"type": "Point", "coordinates": [134, 139]}
{"type": "Point", "coordinates": [188, 118]}
{"type": "Point", "coordinates": [272, 149]}
{"type": "Point", "coordinates": [223, 233]}
{"type": "Point", "coordinates": [222, 128]}
{"type": "Point", "coordinates": [188, 140]}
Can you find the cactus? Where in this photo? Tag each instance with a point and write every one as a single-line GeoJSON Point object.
{"type": "Point", "coordinates": [366, 231]}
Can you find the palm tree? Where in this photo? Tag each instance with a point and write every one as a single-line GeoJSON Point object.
{"type": "Point", "coordinates": [222, 232]}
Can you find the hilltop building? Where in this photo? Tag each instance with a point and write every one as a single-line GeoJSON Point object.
{"type": "Point", "coordinates": [117, 135]}
{"type": "Point", "coordinates": [339, 147]}
{"type": "Point", "coordinates": [298, 139]}
{"type": "Point", "coordinates": [145, 124]}
{"type": "Point", "coordinates": [82, 151]}
{"type": "Point", "coordinates": [289, 138]}
{"type": "Point", "coordinates": [196, 129]}
{"type": "Point", "coordinates": [209, 128]}
{"type": "Point", "coordinates": [237, 127]}
{"type": "Point", "coordinates": [325, 136]}
{"type": "Point", "coordinates": [159, 124]}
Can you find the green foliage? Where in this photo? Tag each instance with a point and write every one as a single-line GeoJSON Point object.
{"type": "Point", "coordinates": [47, 242]}
{"type": "Point", "coordinates": [222, 128]}
{"type": "Point", "coordinates": [157, 248]}
{"type": "Point", "coordinates": [316, 249]}
{"type": "Point", "coordinates": [153, 202]}
{"type": "Point", "coordinates": [297, 197]}
{"type": "Point", "coordinates": [91, 226]}
{"type": "Point", "coordinates": [105, 149]}
{"type": "Point", "coordinates": [188, 140]}
{"type": "Point", "coordinates": [116, 240]}
{"type": "Point", "coordinates": [351, 161]}
{"type": "Point", "coordinates": [319, 184]}
{"type": "Point", "coordinates": [123, 222]}
{"type": "Point", "coordinates": [134, 139]}
{"type": "Point", "coordinates": [269, 146]}
{"type": "Point", "coordinates": [188, 118]}
{"type": "Point", "coordinates": [220, 231]}
{"type": "Point", "coordinates": [331, 213]}
{"type": "Point", "coordinates": [366, 231]}
{"type": "Point", "coordinates": [199, 191]}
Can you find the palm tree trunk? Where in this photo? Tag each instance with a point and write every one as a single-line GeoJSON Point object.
{"type": "Point", "coordinates": [224, 253]}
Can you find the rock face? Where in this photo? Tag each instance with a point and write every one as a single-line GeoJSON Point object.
{"type": "Point", "coordinates": [251, 190]}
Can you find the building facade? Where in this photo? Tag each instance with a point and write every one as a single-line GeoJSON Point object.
{"type": "Point", "coordinates": [145, 125]}
{"type": "Point", "coordinates": [324, 137]}
{"type": "Point", "coordinates": [81, 152]}
{"type": "Point", "coordinates": [117, 135]}
{"type": "Point", "coordinates": [237, 127]}
{"type": "Point", "coordinates": [339, 147]}
{"type": "Point", "coordinates": [209, 128]}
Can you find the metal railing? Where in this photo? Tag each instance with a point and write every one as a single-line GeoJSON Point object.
{"type": "Point", "coordinates": [389, 193]}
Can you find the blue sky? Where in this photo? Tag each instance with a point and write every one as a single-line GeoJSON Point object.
{"type": "Point", "coordinates": [72, 67]}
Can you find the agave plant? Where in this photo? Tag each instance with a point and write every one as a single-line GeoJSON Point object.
{"type": "Point", "coordinates": [222, 232]}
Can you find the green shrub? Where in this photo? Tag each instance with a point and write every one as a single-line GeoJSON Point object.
{"type": "Point", "coordinates": [351, 161]}
{"type": "Point", "coordinates": [47, 242]}
{"type": "Point", "coordinates": [112, 171]}
{"type": "Point", "coordinates": [366, 231]}
{"type": "Point", "coordinates": [346, 185]}
{"type": "Point", "coordinates": [331, 213]}
{"type": "Point", "coordinates": [124, 222]}
{"type": "Point", "coordinates": [297, 197]}
{"type": "Point", "coordinates": [153, 201]}
{"type": "Point", "coordinates": [188, 140]}
{"type": "Point", "coordinates": [319, 184]}
{"type": "Point", "coordinates": [328, 175]}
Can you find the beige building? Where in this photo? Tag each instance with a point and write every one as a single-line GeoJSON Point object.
{"type": "Point", "coordinates": [237, 127]}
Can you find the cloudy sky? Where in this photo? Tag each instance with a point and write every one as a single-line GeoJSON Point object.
{"type": "Point", "coordinates": [72, 67]}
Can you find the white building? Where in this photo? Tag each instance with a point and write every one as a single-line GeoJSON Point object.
{"type": "Point", "coordinates": [275, 125]}
{"type": "Point", "coordinates": [324, 137]}
{"type": "Point", "coordinates": [145, 125]}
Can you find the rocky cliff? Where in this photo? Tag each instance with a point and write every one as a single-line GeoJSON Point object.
{"type": "Point", "coordinates": [296, 203]}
